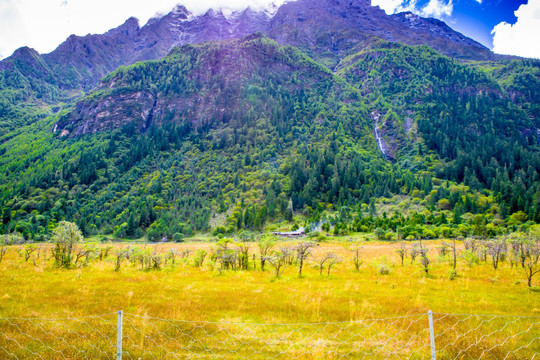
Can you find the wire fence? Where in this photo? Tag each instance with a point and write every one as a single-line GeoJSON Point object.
{"type": "Point", "coordinates": [130, 336]}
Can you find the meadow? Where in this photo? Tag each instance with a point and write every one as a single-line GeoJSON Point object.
{"type": "Point", "coordinates": [181, 290]}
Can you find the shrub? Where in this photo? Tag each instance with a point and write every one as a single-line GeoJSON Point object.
{"type": "Point", "coordinates": [178, 237]}
{"type": "Point", "coordinates": [66, 236]}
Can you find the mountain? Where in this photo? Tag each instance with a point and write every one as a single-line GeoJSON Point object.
{"type": "Point", "coordinates": [334, 112]}
{"type": "Point", "coordinates": [327, 28]}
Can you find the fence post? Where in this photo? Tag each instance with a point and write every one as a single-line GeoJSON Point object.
{"type": "Point", "coordinates": [119, 336]}
{"type": "Point", "coordinates": [432, 335]}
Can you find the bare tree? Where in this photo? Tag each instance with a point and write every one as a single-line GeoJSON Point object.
{"type": "Point", "coordinates": [443, 249]}
{"type": "Point", "coordinates": [184, 254]}
{"type": "Point", "coordinates": [157, 260]}
{"type": "Point", "coordinates": [3, 250]}
{"type": "Point", "coordinates": [27, 251]}
{"type": "Point", "coordinates": [171, 256]}
{"type": "Point", "coordinates": [496, 250]}
{"type": "Point", "coordinates": [86, 251]}
{"type": "Point", "coordinates": [402, 252]}
{"type": "Point", "coordinates": [424, 259]}
{"type": "Point", "coordinates": [105, 252]}
{"type": "Point", "coordinates": [303, 251]}
{"type": "Point", "coordinates": [333, 260]}
{"type": "Point", "coordinates": [532, 249]}
{"type": "Point", "coordinates": [470, 244]}
{"type": "Point", "coordinates": [265, 243]}
{"type": "Point", "coordinates": [482, 250]}
{"type": "Point", "coordinates": [279, 261]}
{"type": "Point", "coordinates": [518, 253]}
{"type": "Point", "coordinates": [289, 257]}
{"type": "Point", "coordinates": [327, 259]}
{"type": "Point", "coordinates": [453, 247]}
{"type": "Point", "coordinates": [526, 249]}
{"type": "Point", "coordinates": [120, 255]}
{"type": "Point", "coordinates": [355, 248]}
{"type": "Point", "coordinates": [415, 251]}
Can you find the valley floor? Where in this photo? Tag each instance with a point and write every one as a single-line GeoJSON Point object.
{"type": "Point", "coordinates": [201, 294]}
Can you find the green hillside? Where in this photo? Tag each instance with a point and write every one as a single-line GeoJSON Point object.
{"type": "Point", "coordinates": [241, 134]}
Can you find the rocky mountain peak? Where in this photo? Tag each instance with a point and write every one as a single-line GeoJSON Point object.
{"type": "Point", "coordinates": [328, 30]}
{"type": "Point", "coordinates": [129, 28]}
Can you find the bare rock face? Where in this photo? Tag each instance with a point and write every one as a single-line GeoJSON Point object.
{"type": "Point", "coordinates": [113, 111]}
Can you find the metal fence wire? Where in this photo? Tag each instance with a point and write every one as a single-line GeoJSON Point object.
{"type": "Point", "coordinates": [131, 336]}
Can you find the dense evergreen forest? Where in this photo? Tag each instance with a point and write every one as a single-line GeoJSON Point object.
{"type": "Point", "coordinates": [245, 133]}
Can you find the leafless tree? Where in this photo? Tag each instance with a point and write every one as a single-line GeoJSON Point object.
{"type": "Point", "coordinates": [303, 251]}
{"type": "Point", "coordinates": [532, 249]}
{"type": "Point", "coordinates": [415, 251]}
{"type": "Point", "coordinates": [87, 251]}
{"type": "Point", "coordinates": [443, 249]}
{"type": "Point", "coordinates": [279, 260]}
{"type": "Point", "coordinates": [265, 244]}
{"type": "Point", "coordinates": [453, 247]}
{"type": "Point", "coordinates": [290, 255]}
{"type": "Point", "coordinates": [184, 254]}
{"type": "Point", "coordinates": [28, 251]}
{"type": "Point", "coordinates": [157, 261]}
{"type": "Point", "coordinates": [3, 250]}
{"type": "Point", "coordinates": [105, 252]}
{"type": "Point", "coordinates": [120, 255]}
{"type": "Point", "coordinates": [355, 248]}
{"type": "Point", "coordinates": [424, 259]}
{"type": "Point", "coordinates": [526, 251]}
{"type": "Point", "coordinates": [171, 256]}
{"type": "Point", "coordinates": [402, 252]}
{"type": "Point", "coordinates": [470, 244]}
{"type": "Point", "coordinates": [482, 251]}
{"type": "Point", "coordinates": [333, 260]}
{"type": "Point", "coordinates": [518, 253]}
{"type": "Point", "coordinates": [326, 259]}
{"type": "Point", "coordinates": [496, 249]}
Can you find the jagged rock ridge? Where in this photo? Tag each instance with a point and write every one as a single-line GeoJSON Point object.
{"type": "Point", "coordinates": [328, 30]}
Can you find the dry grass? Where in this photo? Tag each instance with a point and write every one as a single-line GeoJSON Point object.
{"type": "Point", "coordinates": [183, 292]}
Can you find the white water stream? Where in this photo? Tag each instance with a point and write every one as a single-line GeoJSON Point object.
{"type": "Point", "coordinates": [379, 140]}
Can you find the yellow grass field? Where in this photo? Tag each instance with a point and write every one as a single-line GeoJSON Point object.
{"type": "Point", "coordinates": [213, 304]}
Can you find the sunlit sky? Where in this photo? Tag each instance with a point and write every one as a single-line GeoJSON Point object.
{"type": "Point", "coordinates": [506, 26]}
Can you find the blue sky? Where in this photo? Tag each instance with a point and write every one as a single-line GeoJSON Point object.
{"type": "Point", "coordinates": [477, 20]}
{"type": "Point", "coordinates": [506, 26]}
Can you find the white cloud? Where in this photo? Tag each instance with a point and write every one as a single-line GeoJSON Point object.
{"type": "Point", "coordinates": [44, 24]}
{"type": "Point", "coordinates": [434, 8]}
{"type": "Point", "coordinates": [437, 9]}
{"type": "Point", "coordinates": [389, 6]}
{"type": "Point", "coordinates": [520, 38]}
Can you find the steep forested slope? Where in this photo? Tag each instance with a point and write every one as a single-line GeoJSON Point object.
{"type": "Point", "coordinates": [242, 132]}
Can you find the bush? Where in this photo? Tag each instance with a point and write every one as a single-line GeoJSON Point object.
{"type": "Point", "coordinates": [383, 269]}
{"type": "Point", "coordinates": [66, 236]}
{"type": "Point", "coordinates": [199, 257]}
{"type": "Point", "coordinates": [321, 238]}
{"type": "Point", "coordinates": [153, 235]}
{"type": "Point", "coordinates": [178, 237]}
